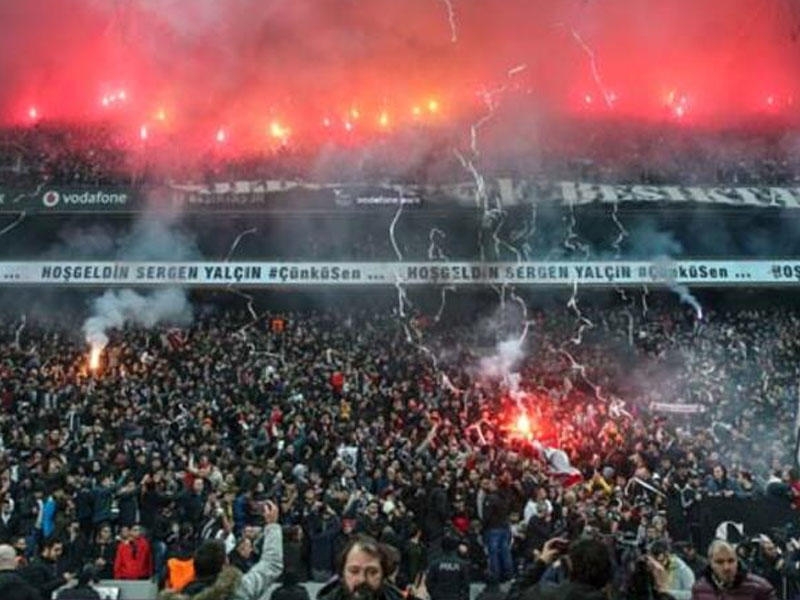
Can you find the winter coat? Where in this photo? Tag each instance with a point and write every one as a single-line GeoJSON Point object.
{"type": "Point", "coordinates": [49, 508]}
{"type": "Point", "coordinates": [290, 592]}
{"type": "Point", "coordinates": [101, 506]}
{"type": "Point", "coordinates": [230, 584]}
{"type": "Point", "coordinates": [680, 579]}
{"type": "Point", "coordinates": [10, 528]}
{"type": "Point", "coordinates": [42, 574]}
{"type": "Point", "coordinates": [335, 591]}
{"type": "Point", "coordinates": [14, 587]}
{"type": "Point", "coordinates": [568, 590]}
{"type": "Point", "coordinates": [321, 534]}
{"type": "Point", "coordinates": [746, 586]}
{"type": "Point", "coordinates": [448, 578]}
{"type": "Point", "coordinates": [81, 592]}
{"type": "Point", "coordinates": [133, 560]}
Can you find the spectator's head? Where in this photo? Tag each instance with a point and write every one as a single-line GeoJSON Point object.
{"type": "Point", "coordinates": [104, 534]}
{"type": "Point", "coordinates": [450, 542]}
{"type": "Point", "coordinates": [724, 562]}
{"type": "Point", "coordinates": [20, 545]}
{"type": "Point", "coordinates": [391, 560]}
{"type": "Point", "coordinates": [660, 551]}
{"type": "Point", "coordinates": [8, 558]}
{"type": "Point", "coordinates": [590, 563]}
{"type": "Point", "coordinates": [87, 575]}
{"type": "Point", "coordinates": [209, 559]}
{"type": "Point", "coordinates": [348, 525]}
{"type": "Point", "coordinates": [52, 549]}
{"type": "Point", "coordinates": [244, 548]}
{"type": "Point", "coordinates": [362, 567]}
{"type": "Point", "coordinates": [768, 548]}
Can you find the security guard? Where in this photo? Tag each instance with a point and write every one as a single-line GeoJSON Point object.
{"type": "Point", "coordinates": [448, 577]}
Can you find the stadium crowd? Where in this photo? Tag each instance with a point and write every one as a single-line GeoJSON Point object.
{"type": "Point", "coordinates": [602, 152]}
{"type": "Point", "coordinates": [608, 423]}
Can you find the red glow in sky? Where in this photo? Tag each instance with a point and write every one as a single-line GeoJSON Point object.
{"type": "Point", "coordinates": [343, 63]}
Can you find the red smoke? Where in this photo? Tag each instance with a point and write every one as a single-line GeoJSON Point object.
{"type": "Point", "coordinates": [203, 65]}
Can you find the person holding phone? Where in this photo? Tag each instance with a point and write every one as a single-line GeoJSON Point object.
{"type": "Point", "coordinates": [215, 578]}
{"type": "Point", "coordinates": [589, 568]}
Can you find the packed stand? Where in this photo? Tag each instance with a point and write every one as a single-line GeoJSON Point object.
{"type": "Point", "coordinates": [345, 423]}
{"type": "Point", "coordinates": [601, 151]}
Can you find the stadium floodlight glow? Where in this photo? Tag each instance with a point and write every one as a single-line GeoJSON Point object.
{"type": "Point", "coordinates": [354, 114]}
{"type": "Point", "coordinates": [348, 126]}
{"type": "Point", "coordinates": [161, 115]}
{"type": "Point", "coordinates": [33, 113]}
{"type": "Point", "coordinates": [143, 132]}
{"type": "Point", "coordinates": [383, 119]}
{"type": "Point", "coordinates": [433, 106]}
{"type": "Point", "coordinates": [416, 111]}
{"type": "Point", "coordinates": [326, 122]}
{"type": "Point", "coordinates": [221, 136]}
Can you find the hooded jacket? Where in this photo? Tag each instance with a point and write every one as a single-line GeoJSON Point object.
{"type": "Point", "coordinates": [746, 586]}
{"type": "Point", "coordinates": [230, 584]}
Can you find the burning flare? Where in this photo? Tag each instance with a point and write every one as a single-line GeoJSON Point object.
{"type": "Point", "coordinates": [523, 425]}
{"type": "Point", "coordinates": [94, 357]}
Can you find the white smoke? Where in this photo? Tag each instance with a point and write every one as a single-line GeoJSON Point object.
{"type": "Point", "coordinates": [115, 309]}
{"type": "Point", "coordinates": [500, 366]}
{"type": "Point", "coordinates": [687, 297]}
{"type": "Point", "coordinates": [664, 266]}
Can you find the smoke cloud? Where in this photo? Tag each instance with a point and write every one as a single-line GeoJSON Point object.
{"type": "Point", "coordinates": [113, 310]}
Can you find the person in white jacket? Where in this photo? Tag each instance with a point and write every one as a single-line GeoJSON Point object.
{"type": "Point", "coordinates": [216, 580]}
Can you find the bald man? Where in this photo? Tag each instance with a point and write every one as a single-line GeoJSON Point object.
{"type": "Point", "coordinates": [12, 586]}
{"type": "Point", "coordinates": [726, 578]}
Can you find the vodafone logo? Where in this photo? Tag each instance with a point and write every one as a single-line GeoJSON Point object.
{"type": "Point", "coordinates": [51, 198]}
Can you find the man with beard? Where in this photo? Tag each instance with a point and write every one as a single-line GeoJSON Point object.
{"type": "Point", "coordinates": [363, 573]}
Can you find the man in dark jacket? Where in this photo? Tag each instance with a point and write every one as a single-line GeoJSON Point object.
{"type": "Point", "coordinates": [43, 572]}
{"type": "Point", "coordinates": [770, 564]}
{"type": "Point", "coordinates": [290, 588]}
{"type": "Point", "coordinates": [497, 532]}
{"type": "Point", "coordinates": [590, 572]}
{"type": "Point", "coordinates": [726, 578]}
{"type": "Point", "coordinates": [84, 590]}
{"type": "Point", "coordinates": [363, 573]}
{"type": "Point", "coordinates": [12, 586]}
{"type": "Point", "coordinates": [448, 576]}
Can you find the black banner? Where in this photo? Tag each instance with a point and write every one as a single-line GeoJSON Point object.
{"type": "Point", "coordinates": [756, 516]}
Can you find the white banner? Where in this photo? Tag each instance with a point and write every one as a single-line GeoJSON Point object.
{"type": "Point", "coordinates": [217, 274]}
{"type": "Point", "coordinates": [684, 409]}
{"type": "Point", "coordinates": [572, 193]}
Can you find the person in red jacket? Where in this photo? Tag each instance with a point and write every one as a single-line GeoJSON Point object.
{"type": "Point", "coordinates": [134, 558]}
